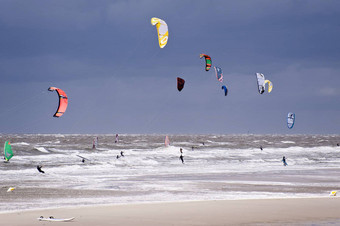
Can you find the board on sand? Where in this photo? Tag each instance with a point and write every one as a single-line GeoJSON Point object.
{"type": "Point", "coordinates": [55, 219]}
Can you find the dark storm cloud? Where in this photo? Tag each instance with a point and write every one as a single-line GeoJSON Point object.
{"type": "Point", "coordinates": [105, 54]}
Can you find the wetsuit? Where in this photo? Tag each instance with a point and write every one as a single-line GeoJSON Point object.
{"type": "Point", "coordinates": [39, 169]}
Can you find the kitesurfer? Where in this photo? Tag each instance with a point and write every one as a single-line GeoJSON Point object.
{"type": "Point", "coordinates": [116, 141]}
{"type": "Point", "coordinates": [284, 161]}
{"type": "Point", "coordinates": [39, 169]}
{"type": "Point", "coordinates": [181, 158]}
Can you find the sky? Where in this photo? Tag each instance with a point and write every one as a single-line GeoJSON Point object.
{"type": "Point", "coordinates": [105, 56]}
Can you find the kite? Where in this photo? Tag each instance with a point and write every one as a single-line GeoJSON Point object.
{"type": "Point", "coordinates": [207, 61]}
{"type": "Point", "coordinates": [63, 101]}
{"type": "Point", "coordinates": [180, 83]}
{"type": "Point", "coordinates": [270, 85]}
{"type": "Point", "coordinates": [290, 120]}
{"type": "Point", "coordinates": [219, 74]}
{"type": "Point", "coordinates": [225, 90]}
{"type": "Point", "coordinates": [162, 31]}
{"type": "Point", "coordinates": [261, 83]}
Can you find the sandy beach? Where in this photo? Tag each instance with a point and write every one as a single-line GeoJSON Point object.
{"type": "Point", "coordinates": [300, 211]}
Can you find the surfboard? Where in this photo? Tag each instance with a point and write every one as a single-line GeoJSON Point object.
{"type": "Point", "coordinates": [55, 219]}
{"type": "Point", "coordinates": [83, 157]}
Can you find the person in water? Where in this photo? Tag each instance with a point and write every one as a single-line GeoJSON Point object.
{"type": "Point", "coordinates": [284, 161]}
{"type": "Point", "coordinates": [117, 157]}
{"type": "Point", "coordinates": [39, 169]}
{"type": "Point", "coordinates": [180, 150]}
{"type": "Point", "coordinates": [122, 154]}
{"type": "Point", "coordinates": [181, 158]}
{"type": "Point", "coordinates": [261, 148]}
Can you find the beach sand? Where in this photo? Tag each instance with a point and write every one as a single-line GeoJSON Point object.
{"type": "Point", "coordinates": [298, 211]}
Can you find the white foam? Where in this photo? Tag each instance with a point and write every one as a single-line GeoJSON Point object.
{"type": "Point", "coordinates": [42, 149]}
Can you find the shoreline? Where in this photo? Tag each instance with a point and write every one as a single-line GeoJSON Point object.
{"type": "Point", "coordinates": [216, 212]}
{"type": "Point", "coordinates": [74, 206]}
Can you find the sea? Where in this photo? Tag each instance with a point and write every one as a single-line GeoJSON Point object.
{"type": "Point", "coordinates": [139, 168]}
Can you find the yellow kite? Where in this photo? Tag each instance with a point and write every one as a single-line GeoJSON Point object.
{"type": "Point", "coordinates": [162, 31]}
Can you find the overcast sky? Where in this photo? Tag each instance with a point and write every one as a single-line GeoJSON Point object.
{"type": "Point", "coordinates": [105, 56]}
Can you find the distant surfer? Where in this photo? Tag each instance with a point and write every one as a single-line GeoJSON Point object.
{"type": "Point", "coordinates": [181, 158]}
{"type": "Point", "coordinates": [284, 161]}
{"type": "Point", "coordinates": [122, 154]}
{"type": "Point", "coordinates": [117, 157]}
{"type": "Point", "coordinates": [192, 148]}
{"type": "Point", "coordinates": [95, 143]}
{"type": "Point", "coordinates": [39, 169]}
{"type": "Point", "coordinates": [83, 160]}
{"type": "Point", "coordinates": [116, 141]}
{"type": "Point", "coordinates": [261, 148]}
{"type": "Point", "coordinates": [181, 150]}
{"type": "Point", "coordinates": [337, 144]}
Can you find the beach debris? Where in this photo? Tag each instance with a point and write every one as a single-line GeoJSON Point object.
{"type": "Point", "coordinates": [10, 189]}
{"type": "Point", "coordinates": [333, 193]}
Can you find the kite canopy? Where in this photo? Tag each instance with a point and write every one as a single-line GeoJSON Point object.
{"type": "Point", "coordinates": [225, 90]}
{"type": "Point", "coordinates": [63, 101]}
{"type": "Point", "coordinates": [162, 31]}
{"type": "Point", "coordinates": [219, 74]}
{"type": "Point", "coordinates": [207, 61]}
{"type": "Point", "coordinates": [180, 83]}
{"type": "Point", "coordinates": [290, 120]}
{"type": "Point", "coordinates": [270, 85]}
{"type": "Point", "coordinates": [8, 153]}
{"type": "Point", "coordinates": [260, 82]}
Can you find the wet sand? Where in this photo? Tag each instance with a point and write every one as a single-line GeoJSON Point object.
{"type": "Point", "coordinates": [298, 211]}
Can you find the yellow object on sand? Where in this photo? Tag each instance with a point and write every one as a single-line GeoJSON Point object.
{"type": "Point", "coordinates": [333, 193]}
